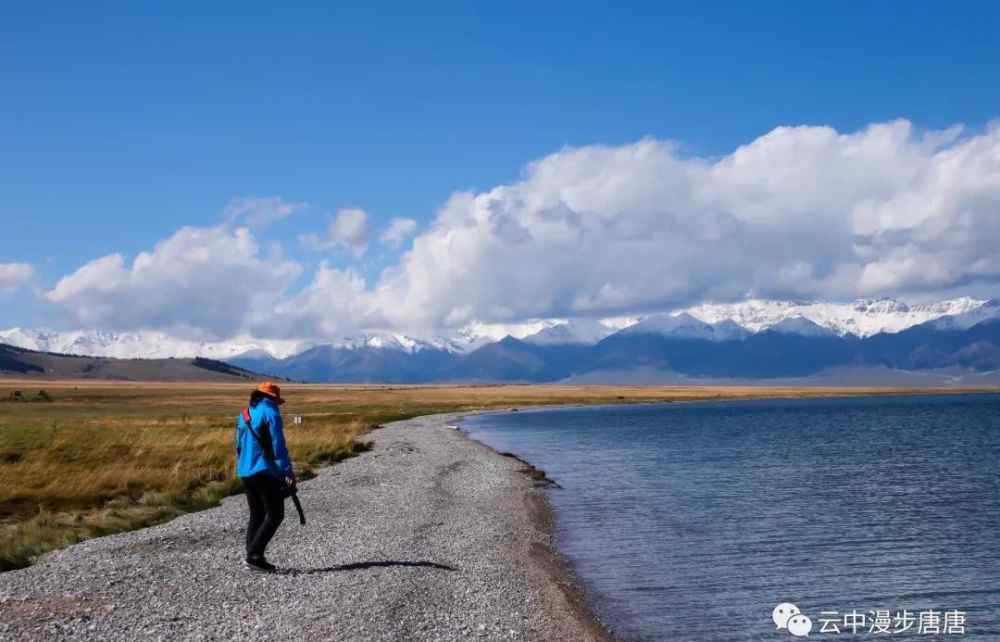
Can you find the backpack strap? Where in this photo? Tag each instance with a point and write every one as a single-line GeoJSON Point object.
{"type": "Point", "coordinates": [264, 446]}
{"type": "Point", "coordinates": [246, 419]}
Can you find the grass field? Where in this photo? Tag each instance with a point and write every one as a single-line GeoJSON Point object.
{"type": "Point", "coordinates": [103, 457]}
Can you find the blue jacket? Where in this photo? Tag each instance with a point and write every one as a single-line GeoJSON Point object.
{"type": "Point", "coordinates": [250, 458]}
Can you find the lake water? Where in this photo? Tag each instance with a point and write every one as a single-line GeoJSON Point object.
{"type": "Point", "coordinates": [692, 521]}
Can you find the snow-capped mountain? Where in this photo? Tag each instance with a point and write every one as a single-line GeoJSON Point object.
{"type": "Point", "coordinates": [750, 340]}
{"type": "Point", "coordinates": [863, 318]}
{"type": "Point", "coordinates": [802, 327]}
{"type": "Point", "coordinates": [400, 342]}
{"type": "Point", "coordinates": [475, 335]}
{"type": "Point", "coordinates": [989, 310]}
{"type": "Point", "coordinates": [149, 344]}
{"type": "Point", "coordinates": [146, 344]}
{"type": "Point", "coordinates": [687, 326]}
{"type": "Point", "coordinates": [578, 332]}
{"type": "Point", "coordinates": [711, 321]}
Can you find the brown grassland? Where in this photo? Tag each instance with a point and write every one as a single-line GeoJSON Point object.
{"type": "Point", "coordinates": [103, 457]}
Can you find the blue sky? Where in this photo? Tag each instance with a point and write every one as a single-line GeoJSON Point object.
{"type": "Point", "coordinates": [120, 127]}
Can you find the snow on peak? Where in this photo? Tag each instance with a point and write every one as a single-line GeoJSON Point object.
{"type": "Point", "coordinates": [686, 326]}
{"type": "Point", "coordinates": [400, 342]}
{"type": "Point", "coordinates": [862, 318]}
{"type": "Point", "coordinates": [711, 321]}
{"type": "Point", "coordinates": [144, 344]}
{"type": "Point", "coordinates": [801, 326]}
{"type": "Point", "coordinates": [476, 334]}
{"type": "Point", "coordinates": [964, 320]}
{"type": "Point", "coordinates": [884, 305]}
{"type": "Point", "coordinates": [575, 332]}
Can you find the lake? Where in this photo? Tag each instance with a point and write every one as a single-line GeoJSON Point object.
{"type": "Point", "coordinates": [875, 516]}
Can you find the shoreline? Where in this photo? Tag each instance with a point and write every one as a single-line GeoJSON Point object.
{"type": "Point", "coordinates": [431, 535]}
{"type": "Point", "coordinates": [559, 571]}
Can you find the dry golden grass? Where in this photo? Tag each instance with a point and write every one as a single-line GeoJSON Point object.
{"type": "Point", "coordinates": [103, 457]}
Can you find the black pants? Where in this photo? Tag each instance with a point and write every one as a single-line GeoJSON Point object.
{"type": "Point", "coordinates": [267, 510]}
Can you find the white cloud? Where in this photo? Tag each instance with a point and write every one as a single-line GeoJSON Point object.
{"type": "Point", "coordinates": [14, 275]}
{"type": "Point", "coordinates": [347, 229]}
{"type": "Point", "coordinates": [799, 212]}
{"type": "Point", "coordinates": [398, 231]}
{"type": "Point", "coordinates": [334, 304]}
{"type": "Point", "coordinates": [598, 231]}
{"type": "Point", "coordinates": [259, 212]}
{"type": "Point", "coordinates": [203, 281]}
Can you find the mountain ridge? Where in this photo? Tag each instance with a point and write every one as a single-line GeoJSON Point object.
{"type": "Point", "coordinates": [862, 318]}
{"type": "Point", "coordinates": [774, 353]}
{"type": "Point", "coordinates": [753, 339]}
{"type": "Point", "coordinates": [948, 352]}
{"type": "Point", "coordinates": [22, 362]}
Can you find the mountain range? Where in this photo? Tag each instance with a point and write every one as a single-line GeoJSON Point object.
{"type": "Point", "coordinates": [21, 362]}
{"type": "Point", "coordinates": [879, 340]}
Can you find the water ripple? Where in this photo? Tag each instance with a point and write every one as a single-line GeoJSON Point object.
{"type": "Point", "coordinates": [690, 522]}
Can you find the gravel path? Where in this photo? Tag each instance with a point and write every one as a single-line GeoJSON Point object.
{"type": "Point", "coordinates": [430, 536]}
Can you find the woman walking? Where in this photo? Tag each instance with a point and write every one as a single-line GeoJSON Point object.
{"type": "Point", "coordinates": [262, 462]}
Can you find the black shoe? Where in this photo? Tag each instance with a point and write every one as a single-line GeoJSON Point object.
{"type": "Point", "coordinates": [260, 564]}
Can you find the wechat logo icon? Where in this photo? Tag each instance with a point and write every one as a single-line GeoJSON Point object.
{"type": "Point", "coordinates": [788, 616]}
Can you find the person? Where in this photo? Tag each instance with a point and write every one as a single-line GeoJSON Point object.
{"type": "Point", "coordinates": [263, 464]}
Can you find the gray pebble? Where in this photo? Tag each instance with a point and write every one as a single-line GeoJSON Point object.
{"type": "Point", "coordinates": [411, 541]}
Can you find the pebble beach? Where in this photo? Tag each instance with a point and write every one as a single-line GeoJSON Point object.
{"type": "Point", "coordinates": [428, 536]}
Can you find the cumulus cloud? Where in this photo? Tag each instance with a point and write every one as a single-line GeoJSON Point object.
{"type": "Point", "coordinates": [398, 231]}
{"type": "Point", "coordinates": [334, 304]}
{"type": "Point", "coordinates": [14, 275]}
{"type": "Point", "coordinates": [347, 229]}
{"type": "Point", "coordinates": [259, 212]}
{"type": "Point", "coordinates": [601, 231]}
{"type": "Point", "coordinates": [799, 212]}
{"type": "Point", "coordinates": [210, 282]}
